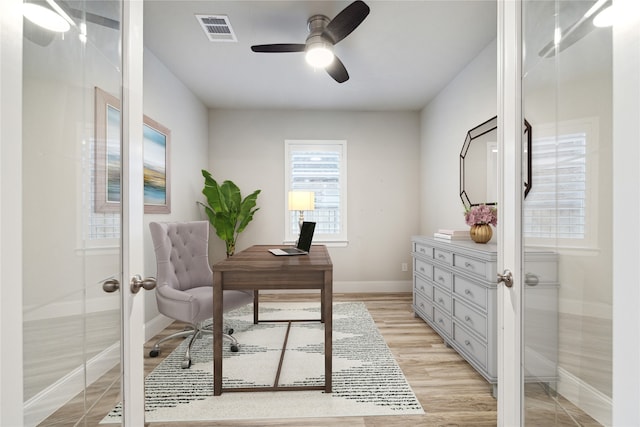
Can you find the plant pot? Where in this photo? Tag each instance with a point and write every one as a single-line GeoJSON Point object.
{"type": "Point", "coordinates": [481, 233]}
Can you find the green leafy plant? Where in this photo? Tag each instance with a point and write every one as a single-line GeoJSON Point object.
{"type": "Point", "coordinates": [228, 212]}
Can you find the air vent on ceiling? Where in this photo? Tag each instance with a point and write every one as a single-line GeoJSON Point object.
{"type": "Point", "coordinates": [217, 28]}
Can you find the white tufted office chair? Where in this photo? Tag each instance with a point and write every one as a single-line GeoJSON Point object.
{"type": "Point", "coordinates": [185, 281]}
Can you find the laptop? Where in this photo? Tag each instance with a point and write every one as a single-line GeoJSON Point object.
{"type": "Point", "coordinates": [304, 241]}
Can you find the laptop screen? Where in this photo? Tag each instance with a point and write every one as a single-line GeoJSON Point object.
{"type": "Point", "coordinates": [306, 236]}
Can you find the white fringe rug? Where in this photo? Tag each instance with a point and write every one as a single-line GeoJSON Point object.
{"type": "Point", "coordinates": [366, 379]}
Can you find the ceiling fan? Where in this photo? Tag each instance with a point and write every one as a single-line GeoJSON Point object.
{"type": "Point", "coordinates": [323, 35]}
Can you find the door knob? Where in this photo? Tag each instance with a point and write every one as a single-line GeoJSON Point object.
{"type": "Point", "coordinates": [110, 285]}
{"type": "Point", "coordinates": [506, 278]}
{"type": "Point", "coordinates": [138, 282]}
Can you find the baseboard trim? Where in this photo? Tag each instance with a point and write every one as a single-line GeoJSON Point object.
{"type": "Point", "coordinates": [592, 401]}
{"type": "Point", "coordinates": [49, 400]}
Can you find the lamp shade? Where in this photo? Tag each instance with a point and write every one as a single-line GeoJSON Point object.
{"type": "Point", "coordinates": [301, 200]}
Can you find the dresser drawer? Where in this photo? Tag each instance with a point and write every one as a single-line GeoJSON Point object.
{"type": "Point", "coordinates": [442, 321]}
{"type": "Point", "coordinates": [442, 277]}
{"type": "Point", "coordinates": [471, 265]}
{"type": "Point", "coordinates": [470, 291]}
{"type": "Point", "coordinates": [474, 348]}
{"type": "Point", "coordinates": [423, 249]}
{"type": "Point", "coordinates": [470, 318]}
{"type": "Point", "coordinates": [423, 268]}
{"type": "Point", "coordinates": [443, 256]}
{"type": "Point", "coordinates": [442, 299]}
{"type": "Point", "coordinates": [423, 306]}
{"type": "Point", "coordinates": [422, 286]}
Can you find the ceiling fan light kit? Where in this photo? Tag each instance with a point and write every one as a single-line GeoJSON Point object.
{"type": "Point", "coordinates": [45, 17]}
{"type": "Point", "coordinates": [323, 35]}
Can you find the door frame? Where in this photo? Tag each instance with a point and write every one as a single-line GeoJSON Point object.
{"type": "Point", "coordinates": [510, 194]}
{"type": "Point", "coordinates": [132, 348]}
{"type": "Point", "coordinates": [11, 371]}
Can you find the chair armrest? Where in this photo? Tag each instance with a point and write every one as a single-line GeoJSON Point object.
{"type": "Point", "coordinates": [168, 292]}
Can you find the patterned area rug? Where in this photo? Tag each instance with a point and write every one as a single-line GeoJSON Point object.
{"type": "Point", "coordinates": [366, 378]}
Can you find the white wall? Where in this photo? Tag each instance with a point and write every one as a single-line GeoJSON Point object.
{"type": "Point", "coordinates": [469, 100]}
{"type": "Point", "coordinates": [168, 101]}
{"type": "Point", "coordinates": [247, 147]}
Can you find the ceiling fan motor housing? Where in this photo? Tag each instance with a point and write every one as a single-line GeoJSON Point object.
{"type": "Point", "coordinates": [315, 40]}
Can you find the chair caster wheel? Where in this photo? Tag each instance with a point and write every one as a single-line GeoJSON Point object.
{"type": "Point", "coordinates": [186, 364]}
{"type": "Point", "coordinates": [154, 353]}
{"type": "Point", "coordinates": [230, 331]}
{"type": "Point", "coordinates": [234, 348]}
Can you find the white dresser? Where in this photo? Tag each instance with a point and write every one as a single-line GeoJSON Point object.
{"type": "Point", "coordinates": [454, 291]}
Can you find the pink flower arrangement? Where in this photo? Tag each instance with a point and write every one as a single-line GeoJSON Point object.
{"type": "Point", "coordinates": [481, 214]}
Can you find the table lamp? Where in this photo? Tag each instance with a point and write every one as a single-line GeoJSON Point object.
{"type": "Point", "coordinates": [301, 201]}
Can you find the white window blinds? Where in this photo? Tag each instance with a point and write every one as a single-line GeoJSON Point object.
{"type": "Point", "coordinates": [318, 166]}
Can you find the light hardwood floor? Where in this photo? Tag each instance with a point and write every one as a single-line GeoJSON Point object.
{"type": "Point", "coordinates": [451, 392]}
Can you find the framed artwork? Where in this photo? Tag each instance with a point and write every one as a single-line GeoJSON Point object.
{"type": "Point", "coordinates": [156, 144]}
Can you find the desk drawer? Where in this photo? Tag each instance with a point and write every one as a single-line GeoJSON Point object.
{"type": "Point", "coordinates": [443, 256]}
{"type": "Point", "coordinates": [470, 291]}
{"type": "Point", "coordinates": [471, 266]}
{"type": "Point", "coordinates": [423, 268]}
{"type": "Point", "coordinates": [422, 286]}
{"type": "Point", "coordinates": [442, 299]}
{"type": "Point", "coordinates": [442, 277]}
{"type": "Point", "coordinates": [423, 306]}
{"type": "Point", "coordinates": [423, 249]}
{"type": "Point", "coordinates": [442, 321]}
{"type": "Point", "coordinates": [474, 348]}
{"type": "Point", "coordinates": [470, 318]}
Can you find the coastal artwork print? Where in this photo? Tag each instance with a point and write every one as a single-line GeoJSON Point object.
{"type": "Point", "coordinates": [156, 143]}
{"type": "Point", "coordinates": [156, 167]}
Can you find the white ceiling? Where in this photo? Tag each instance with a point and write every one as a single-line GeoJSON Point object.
{"type": "Point", "coordinates": [399, 58]}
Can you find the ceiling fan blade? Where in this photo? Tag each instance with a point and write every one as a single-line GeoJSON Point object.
{"type": "Point", "coordinates": [338, 71]}
{"type": "Point", "coordinates": [346, 21]}
{"type": "Point", "coordinates": [89, 17]}
{"type": "Point", "coordinates": [278, 48]}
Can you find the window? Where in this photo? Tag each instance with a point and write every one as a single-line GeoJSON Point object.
{"type": "Point", "coordinates": [561, 208]}
{"type": "Point", "coordinates": [321, 167]}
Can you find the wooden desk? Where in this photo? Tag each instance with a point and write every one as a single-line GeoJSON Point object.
{"type": "Point", "coordinates": [256, 268]}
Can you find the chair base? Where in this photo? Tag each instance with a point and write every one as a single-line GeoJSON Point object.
{"type": "Point", "coordinates": [193, 331]}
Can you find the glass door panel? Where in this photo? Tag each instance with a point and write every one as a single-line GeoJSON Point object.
{"type": "Point", "coordinates": [71, 244]}
{"type": "Point", "coordinates": [567, 98]}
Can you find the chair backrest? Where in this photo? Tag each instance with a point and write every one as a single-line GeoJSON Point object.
{"type": "Point", "coordinates": [182, 254]}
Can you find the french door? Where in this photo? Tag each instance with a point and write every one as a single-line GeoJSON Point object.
{"type": "Point", "coordinates": [78, 239]}
{"type": "Point", "coordinates": [576, 84]}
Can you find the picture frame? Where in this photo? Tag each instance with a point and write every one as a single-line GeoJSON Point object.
{"type": "Point", "coordinates": [156, 159]}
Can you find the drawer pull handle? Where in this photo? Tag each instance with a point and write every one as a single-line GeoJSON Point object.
{"type": "Point", "coordinates": [468, 265]}
{"type": "Point", "coordinates": [467, 319]}
{"type": "Point", "coordinates": [423, 250]}
{"type": "Point", "coordinates": [440, 278]}
{"type": "Point", "coordinates": [467, 343]}
{"type": "Point", "coordinates": [441, 321]}
{"type": "Point", "coordinates": [467, 292]}
{"type": "Point", "coordinates": [441, 301]}
{"type": "Point", "coordinates": [422, 304]}
{"type": "Point", "coordinates": [422, 288]}
{"type": "Point", "coordinates": [441, 256]}
{"type": "Point", "coordinates": [422, 269]}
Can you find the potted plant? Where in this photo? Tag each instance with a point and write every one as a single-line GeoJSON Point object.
{"type": "Point", "coordinates": [228, 212]}
{"type": "Point", "coordinates": [480, 218]}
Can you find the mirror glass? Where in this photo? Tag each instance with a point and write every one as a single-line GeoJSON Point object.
{"type": "Point", "coordinates": [479, 164]}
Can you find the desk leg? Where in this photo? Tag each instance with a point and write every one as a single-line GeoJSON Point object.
{"type": "Point", "coordinates": [217, 333]}
{"type": "Point", "coordinates": [327, 314]}
{"type": "Point", "coordinates": [256, 297]}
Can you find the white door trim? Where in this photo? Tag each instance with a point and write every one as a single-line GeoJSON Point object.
{"type": "Point", "coordinates": [11, 386]}
{"type": "Point", "coordinates": [510, 193]}
{"type": "Point", "coordinates": [133, 206]}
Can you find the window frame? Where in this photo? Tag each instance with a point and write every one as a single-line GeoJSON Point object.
{"type": "Point", "coordinates": [341, 238]}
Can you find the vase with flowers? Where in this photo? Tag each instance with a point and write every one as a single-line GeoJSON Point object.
{"type": "Point", "coordinates": [480, 218]}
